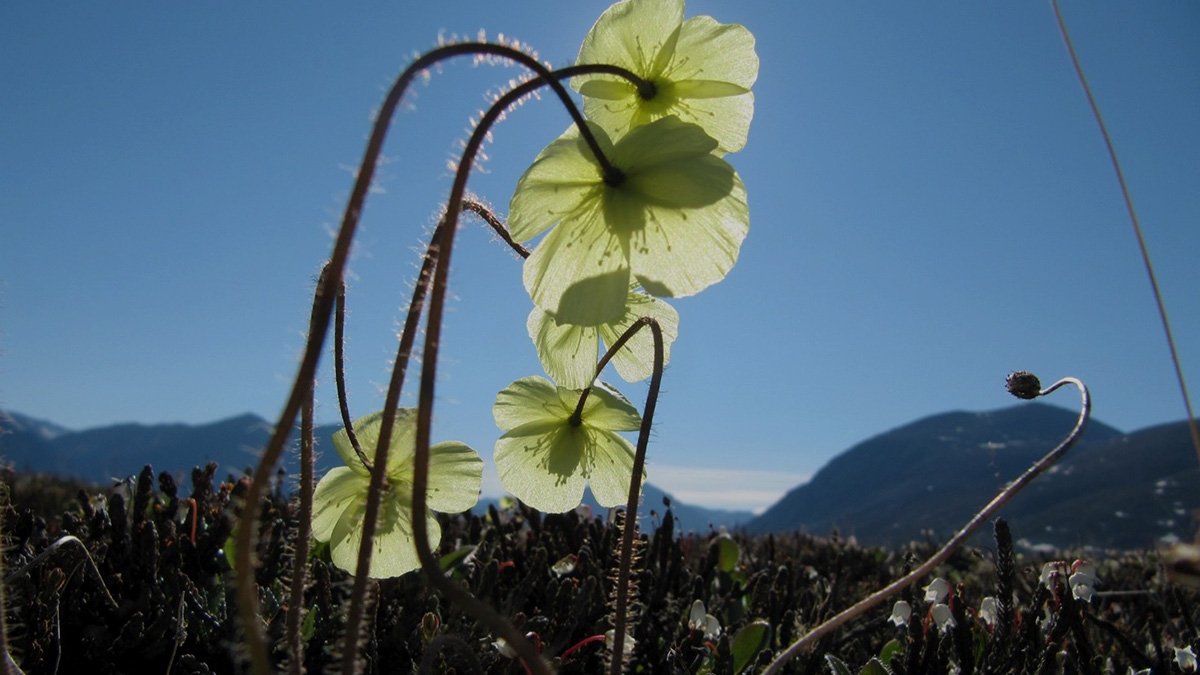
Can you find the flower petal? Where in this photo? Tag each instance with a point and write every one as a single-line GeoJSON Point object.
{"type": "Point", "coordinates": [561, 181]}
{"type": "Point", "coordinates": [606, 409]}
{"type": "Point", "coordinates": [455, 477]}
{"type": "Point", "coordinates": [709, 50]}
{"type": "Point", "coordinates": [666, 141]}
{"type": "Point", "coordinates": [608, 90]}
{"type": "Point", "coordinates": [681, 252]}
{"type": "Point", "coordinates": [393, 549]}
{"type": "Point", "coordinates": [530, 402]}
{"type": "Point", "coordinates": [543, 469]}
{"type": "Point", "coordinates": [632, 34]}
{"type": "Point", "coordinates": [400, 445]}
{"type": "Point", "coordinates": [635, 361]}
{"type": "Point", "coordinates": [568, 352]}
{"type": "Point", "coordinates": [580, 271]}
{"type": "Point", "coordinates": [608, 466]}
{"type": "Point", "coordinates": [337, 491]}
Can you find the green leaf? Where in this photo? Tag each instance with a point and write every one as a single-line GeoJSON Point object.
{"type": "Point", "coordinates": [875, 667]}
{"type": "Point", "coordinates": [837, 666]}
{"type": "Point", "coordinates": [728, 553]}
{"type": "Point", "coordinates": [889, 651]}
{"type": "Point", "coordinates": [309, 627]}
{"type": "Point", "coordinates": [750, 640]}
{"type": "Point", "coordinates": [454, 557]}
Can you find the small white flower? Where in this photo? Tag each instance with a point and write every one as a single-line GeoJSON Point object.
{"type": "Point", "coordinates": [565, 565]}
{"type": "Point", "coordinates": [1083, 580]}
{"type": "Point", "coordinates": [942, 616]}
{"type": "Point", "coordinates": [1186, 659]}
{"type": "Point", "coordinates": [901, 613]}
{"type": "Point", "coordinates": [1051, 571]}
{"type": "Point", "coordinates": [707, 624]}
{"type": "Point", "coordinates": [937, 590]}
{"type": "Point", "coordinates": [989, 611]}
{"type": "Point", "coordinates": [609, 638]}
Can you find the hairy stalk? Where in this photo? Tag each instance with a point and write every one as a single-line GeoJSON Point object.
{"type": "Point", "coordinates": [245, 542]}
{"type": "Point", "coordinates": [480, 209]}
{"type": "Point", "coordinates": [1022, 385]}
{"type": "Point", "coordinates": [635, 481]}
{"type": "Point", "coordinates": [339, 371]}
{"type": "Point", "coordinates": [303, 533]}
{"type": "Point", "coordinates": [438, 259]}
{"type": "Point", "coordinates": [1135, 222]}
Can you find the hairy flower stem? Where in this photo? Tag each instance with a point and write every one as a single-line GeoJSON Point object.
{"type": "Point", "coordinates": [438, 260]}
{"type": "Point", "coordinates": [246, 539]}
{"type": "Point", "coordinates": [478, 208]}
{"type": "Point", "coordinates": [339, 371]}
{"type": "Point", "coordinates": [303, 533]}
{"type": "Point", "coordinates": [635, 482]}
{"type": "Point", "coordinates": [860, 607]}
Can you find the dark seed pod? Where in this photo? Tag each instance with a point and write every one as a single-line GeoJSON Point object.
{"type": "Point", "coordinates": [1023, 384]}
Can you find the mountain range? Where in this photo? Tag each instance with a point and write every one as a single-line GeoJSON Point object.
{"type": "Point", "coordinates": [923, 479]}
{"type": "Point", "coordinates": [1112, 490]}
{"type": "Point", "coordinates": [104, 454]}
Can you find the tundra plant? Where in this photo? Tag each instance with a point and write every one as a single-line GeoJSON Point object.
{"type": "Point", "coordinates": [635, 202]}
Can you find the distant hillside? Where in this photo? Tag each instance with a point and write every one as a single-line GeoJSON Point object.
{"type": "Point", "coordinates": [1113, 489]}
{"type": "Point", "coordinates": [101, 454]}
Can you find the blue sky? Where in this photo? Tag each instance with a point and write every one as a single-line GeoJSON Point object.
{"type": "Point", "coordinates": [931, 207]}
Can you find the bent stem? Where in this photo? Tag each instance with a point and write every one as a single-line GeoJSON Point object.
{"type": "Point", "coordinates": [246, 536]}
{"type": "Point", "coordinates": [339, 372]}
{"type": "Point", "coordinates": [635, 481]}
{"type": "Point", "coordinates": [958, 539]}
{"type": "Point", "coordinates": [435, 269]}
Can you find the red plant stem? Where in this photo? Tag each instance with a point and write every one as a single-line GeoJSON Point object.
{"type": "Point", "coordinates": [1010, 491]}
{"type": "Point", "coordinates": [579, 645]}
{"type": "Point", "coordinates": [438, 257]}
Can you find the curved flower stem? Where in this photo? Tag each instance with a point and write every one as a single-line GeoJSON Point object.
{"type": "Point", "coordinates": [303, 532]}
{"type": "Point", "coordinates": [339, 371]}
{"type": "Point", "coordinates": [635, 482]}
{"type": "Point", "coordinates": [860, 607]}
{"type": "Point", "coordinates": [246, 534]}
{"type": "Point", "coordinates": [435, 270]}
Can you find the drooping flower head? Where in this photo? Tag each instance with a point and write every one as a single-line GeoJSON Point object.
{"type": "Point", "coordinates": [569, 353]}
{"type": "Point", "coordinates": [545, 458]}
{"type": "Point", "coordinates": [673, 219]}
{"type": "Point", "coordinates": [340, 499]}
{"type": "Point", "coordinates": [700, 70]}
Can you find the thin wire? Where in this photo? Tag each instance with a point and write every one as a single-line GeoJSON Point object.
{"type": "Point", "coordinates": [1137, 227]}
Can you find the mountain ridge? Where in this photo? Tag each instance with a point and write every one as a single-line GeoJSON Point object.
{"type": "Point", "coordinates": [111, 452]}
